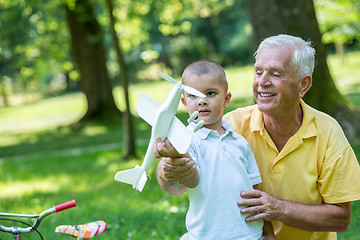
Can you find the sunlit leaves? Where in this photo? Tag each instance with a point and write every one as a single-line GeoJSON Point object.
{"type": "Point", "coordinates": [130, 26]}
{"type": "Point", "coordinates": [27, 72]}
{"type": "Point", "coordinates": [174, 15]}
{"type": "Point", "coordinates": [148, 31]}
{"type": "Point", "coordinates": [148, 56]}
{"type": "Point", "coordinates": [171, 12]}
{"type": "Point", "coordinates": [38, 43]}
{"type": "Point", "coordinates": [339, 20]}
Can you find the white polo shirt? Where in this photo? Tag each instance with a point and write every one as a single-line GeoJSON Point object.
{"type": "Point", "coordinates": [227, 167]}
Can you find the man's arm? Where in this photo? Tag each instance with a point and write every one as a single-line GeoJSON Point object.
{"type": "Point", "coordinates": [317, 218]}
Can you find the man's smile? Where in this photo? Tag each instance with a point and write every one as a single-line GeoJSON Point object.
{"type": "Point", "coordinates": [266, 94]}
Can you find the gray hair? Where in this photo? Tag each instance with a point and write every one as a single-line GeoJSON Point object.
{"type": "Point", "coordinates": [303, 56]}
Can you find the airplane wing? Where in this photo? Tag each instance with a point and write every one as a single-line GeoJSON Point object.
{"type": "Point", "coordinates": [179, 136]}
{"type": "Point", "coordinates": [147, 108]}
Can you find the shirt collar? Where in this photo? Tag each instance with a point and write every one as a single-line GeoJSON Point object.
{"type": "Point", "coordinates": [256, 122]}
{"type": "Point", "coordinates": [308, 128]}
{"type": "Point", "coordinates": [205, 132]}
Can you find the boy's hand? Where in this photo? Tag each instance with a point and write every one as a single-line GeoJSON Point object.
{"type": "Point", "coordinates": [176, 169]}
{"type": "Point", "coordinates": [165, 149]}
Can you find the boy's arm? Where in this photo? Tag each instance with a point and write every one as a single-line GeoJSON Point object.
{"type": "Point", "coordinates": [168, 181]}
{"type": "Point", "coordinates": [175, 171]}
{"type": "Point", "coordinates": [192, 179]}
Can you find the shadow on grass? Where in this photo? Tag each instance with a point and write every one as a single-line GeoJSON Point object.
{"type": "Point", "coordinates": [68, 137]}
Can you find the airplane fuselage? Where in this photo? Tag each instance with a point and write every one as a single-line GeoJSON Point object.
{"type": "Point", "coordinates": [164, 117]}
{"type": "Point", "coordinates": [164, 125]}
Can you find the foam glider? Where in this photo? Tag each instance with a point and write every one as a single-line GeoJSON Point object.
{"type": "Point", "coordinates": [85, 231]}
{"type": "Point", "coordinates": [165, 125]}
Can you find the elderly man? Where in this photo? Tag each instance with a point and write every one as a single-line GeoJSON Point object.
{"type": "Point", "coordinates": [310, 173]}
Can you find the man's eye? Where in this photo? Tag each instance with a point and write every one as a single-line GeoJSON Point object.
{"type": "Point", "coordinates": [192, 96]}
{"type": "Point", "coordinates": [276, 74]}
{"type": "Point", "coordinates": [211, 93]}
{"type": "Point", "coordinates": [258, 73]}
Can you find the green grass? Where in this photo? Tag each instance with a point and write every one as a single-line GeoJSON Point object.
{"type": "Point", "coordinates": [44, 162]}
{"type": "Point", "coordinates": [32, 184]}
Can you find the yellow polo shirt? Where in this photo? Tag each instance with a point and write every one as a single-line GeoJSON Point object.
{"type": "Point", "coordinates": [316, 165]}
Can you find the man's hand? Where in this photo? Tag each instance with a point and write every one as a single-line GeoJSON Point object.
{"type": "Point", "coordinates": [260, 204]}
{"type": "Point", "coordinates": [323, 217]}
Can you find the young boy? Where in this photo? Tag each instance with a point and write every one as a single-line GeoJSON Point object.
{"type": "Point", "coordinates": [223, 163]}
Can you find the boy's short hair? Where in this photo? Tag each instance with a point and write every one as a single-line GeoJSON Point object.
{"type": "Point", "coordinates": [202, 67]}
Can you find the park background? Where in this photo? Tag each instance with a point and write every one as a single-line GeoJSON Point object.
{"type": "Point", "coordinates": [71, 74]}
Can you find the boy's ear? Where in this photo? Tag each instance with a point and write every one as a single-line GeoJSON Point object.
{"type": "Point", "coordinates": [227, 99]}
{"type": "Point", "coordinates": [183, 101]}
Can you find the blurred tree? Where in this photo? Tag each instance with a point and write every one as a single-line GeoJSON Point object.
{"type": "Point", "coordinates": [218, 30]}
{"type": "Point", "coordinates": [13, 44]}
{"type": "Point", "coordinates": [35, 52]}
{"type": "Point", "coordinates": [129, 149]}
{"type": "Point", "coordinates": [173, 33]}
{"type": "Point", "coordinates": [89, 56]}
{"type": "Point", "coordinates": [271, 17]}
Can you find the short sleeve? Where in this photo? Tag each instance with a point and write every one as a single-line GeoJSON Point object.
{"type": "Point", "coordinates": [339, 180]}
{"type": "Point", "coordinates": [253, 170]}
{"type": "Point", "coordinates": [192, 150]}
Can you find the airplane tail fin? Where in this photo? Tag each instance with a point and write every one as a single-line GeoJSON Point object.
{"type": "Point", "coordinates": [134, 176]}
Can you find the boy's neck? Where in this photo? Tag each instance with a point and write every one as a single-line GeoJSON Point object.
{"type": "Point", "coordinates": [220, 129]}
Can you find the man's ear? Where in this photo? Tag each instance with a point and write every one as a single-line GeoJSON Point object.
{"type": "Point", "coordinates": [183, 102]}
{"type": "Point", "coordinates": [305, 85]}
{"type": "Point", "coordinates": [227, 99]}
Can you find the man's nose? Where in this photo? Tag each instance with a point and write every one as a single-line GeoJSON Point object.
{"type": "Point", "coordinates": [264, 79]}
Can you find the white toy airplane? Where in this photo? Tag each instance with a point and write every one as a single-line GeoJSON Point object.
{"type": "Point", "coordinates": [165, 125]}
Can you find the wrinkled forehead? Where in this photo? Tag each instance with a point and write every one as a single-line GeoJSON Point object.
{"type": "Point", "coordinates": [275, 56]}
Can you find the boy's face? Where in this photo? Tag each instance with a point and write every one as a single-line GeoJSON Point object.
{"type": "Point", "coordinates": [212, 106]}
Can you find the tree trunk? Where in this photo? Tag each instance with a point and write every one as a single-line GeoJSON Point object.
{"type": "Point", "coordinates": [298, 18]}
{"type": "Point", "coordinates": [89, 57]}
{"type": "Point", "coordinates": [129, 148]}
{"type": "Point", "coordinates": [3, 91]}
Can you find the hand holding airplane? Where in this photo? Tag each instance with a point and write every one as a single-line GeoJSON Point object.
{"type": "Point", "coordinates": [164, 125]}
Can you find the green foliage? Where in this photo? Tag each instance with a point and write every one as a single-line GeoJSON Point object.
{"type": "Point", "coordinates": [339, 20]}
{"type": "Point", "coordinates": [30, 185]}
{"type": "Point", "coordinates": [169, 33]}
{"type": "Point", "coordinates": [174, 32]}
{"type": "Point", "coordinates": [37, 49]}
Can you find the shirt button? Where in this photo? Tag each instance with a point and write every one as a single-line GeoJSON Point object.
{"type": "Point", "coordinates": [224, 148]}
